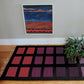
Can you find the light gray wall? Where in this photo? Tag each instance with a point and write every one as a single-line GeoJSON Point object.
{"type": "Point", "coordinates": [68, 18]}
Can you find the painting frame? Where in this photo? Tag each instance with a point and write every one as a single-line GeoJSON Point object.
{"type": "Point", "coordinates": [24, 18]}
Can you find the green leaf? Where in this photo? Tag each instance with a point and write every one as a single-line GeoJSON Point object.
{"type": "Point", "coordinates": [74, 47]}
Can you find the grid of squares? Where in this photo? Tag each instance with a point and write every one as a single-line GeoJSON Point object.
{"type": "Point", "coordinates": [42, 63]}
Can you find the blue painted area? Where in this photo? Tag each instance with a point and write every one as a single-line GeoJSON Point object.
{"type": "Point", "coordinates": [38, 13]}
{"type": "Point", "coordinates": [38, 16]}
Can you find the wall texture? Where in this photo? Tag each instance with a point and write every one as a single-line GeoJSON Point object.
{"type": "Point", "coordinates": [68, 18]}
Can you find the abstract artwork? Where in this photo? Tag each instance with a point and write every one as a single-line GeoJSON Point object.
{"type": "Point", "coordinates": [42, 63]}
{"type": "Point", "coordinates": [38, 18]}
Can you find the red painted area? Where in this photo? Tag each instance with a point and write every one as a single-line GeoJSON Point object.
{"type": "Point", "coordinates": [30, 50]}
{"type": "Point", "coordinates": [38, 31]}
{"type": "Point", "coordinates": [27, 60]}
{"type": "Point", "coordinates": [38, 26]}
{"type": "Point", "coordinates": [20, 50]}
{"type": "Point", "coordinates": [24, 72]}
{"type": "Point", "coordinates": [11, 72]}
{"type": "Point", "coordinates": [16, 60]}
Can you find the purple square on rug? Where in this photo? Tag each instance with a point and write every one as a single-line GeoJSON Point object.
{"type": "Point", "coordinates": [36, 72]}
{"type": "Point", "coordinates": [60, 72]}
{"type": "Point", "coordinates": [48, 72]}
{"type": "Point", "coordinates": [82, 69]}
{"type": "Point", "coordinates": [49, 50]}
{"type": "Point", "coordinates": [73, 72]}
{"type": "Point", "coordinates": [82, 61]}
{"type": "Point", "coordinates": [60, 60]}
{"type": "Point", "coordinates": [38, 60]}
{"type": "Point", "coordinates": [59, 50]}
{"type": "Point", "coordinates": [40, 50]}
{"type": "Point", "coordinates": [49, 60]}
{"type": "Point", "coordinates": [71, 62]}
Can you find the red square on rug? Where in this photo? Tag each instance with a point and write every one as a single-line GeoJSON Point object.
{"type": "Point", "coordinates": [30, 50]}
{"type": "Point", "coordinates": [24, 72]}
{"type": "Point", "coordinates": [27, 60]}
{"type": "Point", "coordinates": [11, 72]}
{"type": "Point", "coordinates": [16, 60]}
{"type": "Point", "coordinates": [20, 50]}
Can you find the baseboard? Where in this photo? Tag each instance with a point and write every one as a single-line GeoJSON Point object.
{"type": "Point", "coordinates": [32, 41]}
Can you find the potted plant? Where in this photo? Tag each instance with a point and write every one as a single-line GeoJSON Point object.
{"type": "Point", "coordinates": [74, 48]}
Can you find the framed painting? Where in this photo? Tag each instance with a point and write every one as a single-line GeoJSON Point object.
{"type": "Point", "coordinates": [38, 18]}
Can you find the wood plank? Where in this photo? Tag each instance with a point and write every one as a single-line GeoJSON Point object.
{"type": "Point", "coordinates": [6, 48]}
{"type": "Point", "coordinates": [41, 82]}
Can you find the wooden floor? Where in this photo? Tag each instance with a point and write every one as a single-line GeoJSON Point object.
{"type": "Point", "coordinates": [5, 54]}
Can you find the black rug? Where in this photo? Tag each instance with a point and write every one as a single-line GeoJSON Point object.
{"type": "Point", "coordinates": [42, 63]}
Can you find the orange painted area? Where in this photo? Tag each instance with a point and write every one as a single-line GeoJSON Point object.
{"type": "Point", "coordinates": [39, 24]}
